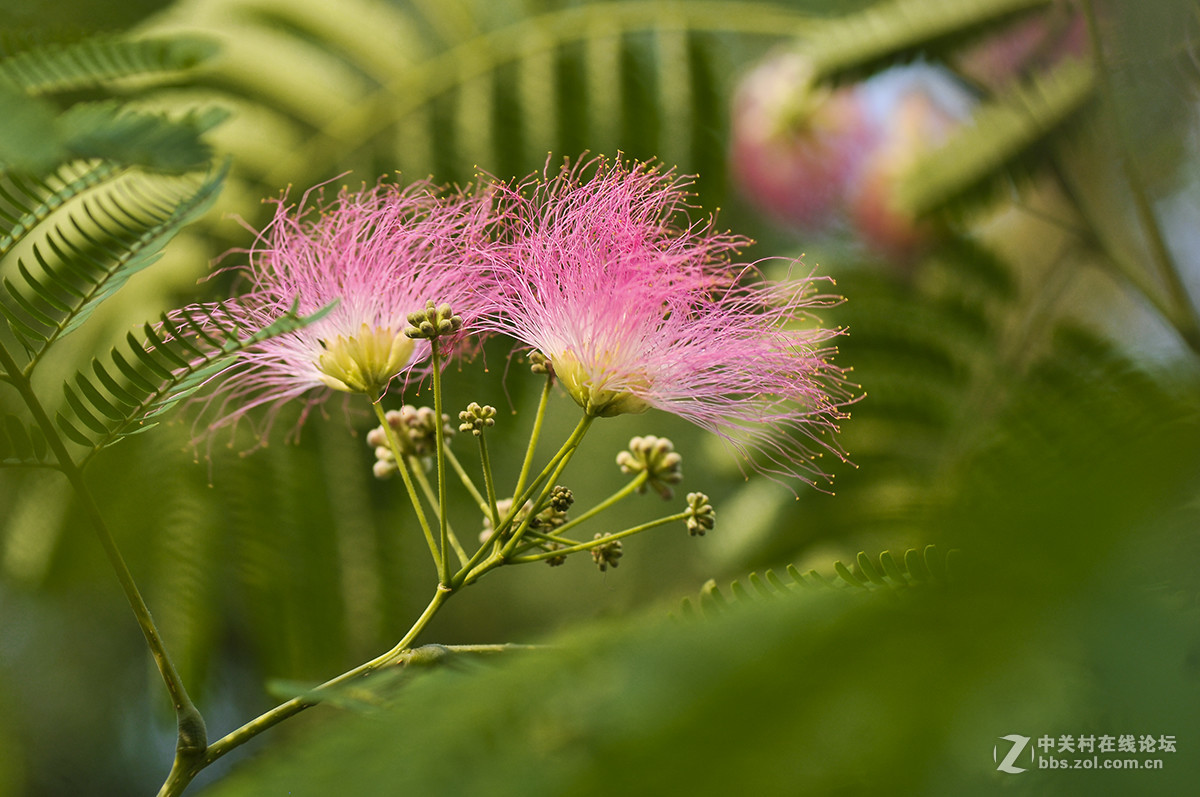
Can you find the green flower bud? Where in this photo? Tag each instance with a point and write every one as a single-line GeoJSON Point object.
{"type": "Point", "coordinates": [554, 561]}
{"type": "Point", "coordinates": [433, 322]}
{"type": "Point", "coordinates": [606, 556]}
{"type": "Point", "coordinates": [540, 363]}
{"type": "Point", "coordinates": [700, 514]}
{"type": "Point", "coordinates": [656, 456]}
{"type": "Point", "coordinates": [476, 418]}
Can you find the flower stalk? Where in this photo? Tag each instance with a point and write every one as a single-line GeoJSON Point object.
{"type": "Point", "coordinates": [443, 520]}
{"type": "Point", "coordinates": [402, 465]}
{"type": "Point", "coordinates": [535, 435]}
{"type": "Point", "coordinates": [603, 539]}
{"type": "Point", "coordinates": [191, 733]}
{"type": "Point", "coordinates": [182, 775]}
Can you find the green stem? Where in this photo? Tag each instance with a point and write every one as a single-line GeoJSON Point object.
{"type": "Point", "coordinates": [1094, 236]}
{"type": "Point", "coordinates": [436, 361]}
{"type": "Point", "coordinates": [498, 647]}
{"type": "Point", "coordinates": [534, 538]}
{"type": "Point", "coordinates": [478, 564]}
{"type": "Point", "coordinates": [552, 467]}
{"type": "Point", "coordinates": [465, 478]}
{"type": "Point", "coordinates": [402, 466]}
{"type": "Point", "coordinates": [179, 780]}
{"type": "Point", "coordinates": [596, 543]}
{"type": "Point", "coordinates": [488, 482]}
{"type": "Point", "coordinates": [427, 489]}
{"type": "Point", "coordinates": [1182, 314]}
{"type": "Point", "coordinates": [192, 738]}
{"type": "Point", "coordinates": [534, 435]}
{"type": "Point", "coordinates": [612, 500]}
{"type": "Point", "coordinates": [515, 539]}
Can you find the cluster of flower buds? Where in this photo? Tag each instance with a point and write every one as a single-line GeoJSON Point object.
{"type": "Point", "coordinates": [476, 418]}
{"type": "Point", "coordinates": [554, 561]}
{"type": "Point", "coordinates": [606, 556]}
{"type": "Point", "coordinates": [553, 515]}
{"type": "Point", "coordinates": [433, 322]}
{"type": "Point", "coordinates": [656, 456]}
{"type": "Point", "coordinates": [415, 433]}
{"type": "Point", "coordinates": [700, 514]}
{"type": "Point", "coordinates": [540, 363]}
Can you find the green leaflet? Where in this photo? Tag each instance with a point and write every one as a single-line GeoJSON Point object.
{"type": "Point", "coordinates": [29, 201]}
{"type": "Point", "coordinates": [28, 138]}
{"type": "Point", "coordinates": [36, 140]}
{"type": "Point", "coordinates": [112, 131]}
{"type": "Point", "coordinates": [36, 137]}
{"type": "Point", "coordinates": [21, 444]}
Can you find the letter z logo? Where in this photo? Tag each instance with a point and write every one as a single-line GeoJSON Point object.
{"type": "Point", "coordinates": [1018, 746]}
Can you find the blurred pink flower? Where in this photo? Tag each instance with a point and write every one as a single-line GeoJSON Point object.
{"type": "Point", "coordinates": [796, 146]}
{"type": "Point", "coordinates": [636, 307]}
{"type": "Point", "coordinates": [814, 157]}
{"type": "Point", "coordinates": [916, 122]}
{"type": "Point", "coordinates": [380, 253]}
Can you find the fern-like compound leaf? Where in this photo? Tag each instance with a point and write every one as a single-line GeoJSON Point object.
{"type": "Point", "coordinates": [888, 30]}
{"type": "Point", "coordinates": [116, 132]}
{"type": "Point", "coordinates": [59, 67]}
{"type": "Point", "coordinates": [1006, 139]}
{"type": "Point", "coordinates": [143, 379]}
{"type": "Point", "coordinates": [93, 248]}
{"type": "Point", "coordinates": [27, 202]}
{"type": "Point", "coordinates": [926, 566]}
{"type": "Point", "coordinates": [490, 85]}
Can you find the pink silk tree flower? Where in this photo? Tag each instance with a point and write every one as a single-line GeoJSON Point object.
{"type": "Point", "coordinates": [379, 253]}
{"type": "Point", "coordinates": [636, 307]}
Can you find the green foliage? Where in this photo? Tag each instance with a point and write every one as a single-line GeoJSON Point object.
{"type": "Point", "coordinates": [20, 444]}
{"type": "Point", "coordinates": [898, 29]}
{"type": "Point", "coordinates": [95, 61]}
{"type": "Point", "coordinates": [36, 137]}
{"type": "Point", "coordinates": [28, 139]}
{"type": "Point", "coordinates": [90, 220]}
{"type": "Point", "coordinates": [146, 378]}
{"type": "Point", "coordinates": [1008, 138]}
{"type": "Point", "coordinates": [86, 253]}
{"type": "Point", "coordinates": [108, 130]}
{"type": "Point", "coordinates": [29, 201]}
{"type": "Point", "coordinates": [925, 567]}
{"type": "Point", "coordinates": [443, 89]}
{"type": "Point", "coordinates": [819, 695]}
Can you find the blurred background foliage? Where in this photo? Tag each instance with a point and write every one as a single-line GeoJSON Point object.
{"type": "Point", "coordinates": [1030, 404]}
